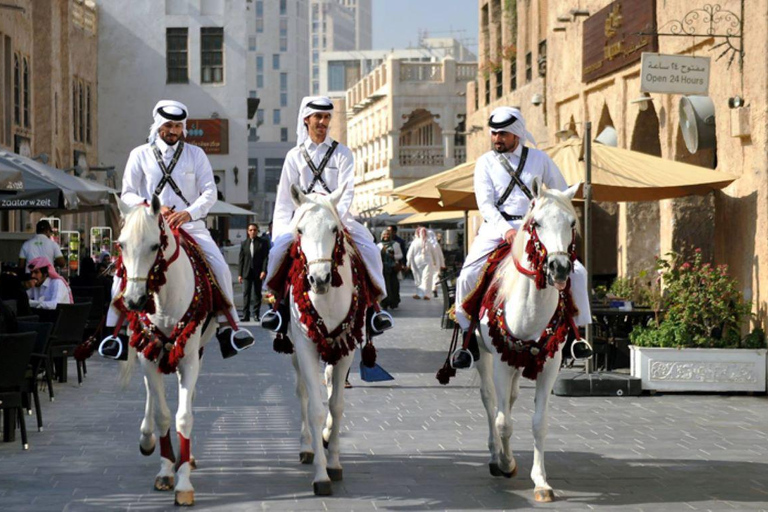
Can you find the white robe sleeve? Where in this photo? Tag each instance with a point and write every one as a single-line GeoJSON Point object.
{"type": "Point", "coordinates": [284, 207]}
{"type": "Point", "coordinates": [206, 187]}
{"type": "Point", "coordinates": [133, 181]}
{"type": "Point", "coordinates": [347, 179]}
{"type": "Point", "coordinates": [486, 198]}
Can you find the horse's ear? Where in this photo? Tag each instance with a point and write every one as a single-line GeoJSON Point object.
{"type": "Point", "coordinates": [155, 205]}
{"type": "Point", "coordinates": [335, 196]}
{"type": "Point", "coordinates": [123, 207]}
{"type": "Point", "coordinates": [537, 187]}
{"type": "Point", "coordinates": [297, 195]}
{"type": "Point", "coordinates": [571, 192]}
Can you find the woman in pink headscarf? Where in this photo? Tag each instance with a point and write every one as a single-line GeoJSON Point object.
{"type": "Point", "coordinates": [422, 260]}
{"type": "Point", "coordinates": [49, 287]}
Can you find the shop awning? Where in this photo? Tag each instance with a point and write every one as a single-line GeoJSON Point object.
{"type": "Point", "coordinates": [428, 217]}
{"type": "Point", "coordinates": [225, 209]}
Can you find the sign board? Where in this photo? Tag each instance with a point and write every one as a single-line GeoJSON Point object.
{"type": "Point", "coordinates": [211, 135]}
{"type": "Point", "coordinates": [675, 74]}
{"type": "Point", "coordinates": [611, 40]}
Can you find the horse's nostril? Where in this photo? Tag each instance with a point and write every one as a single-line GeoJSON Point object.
{"type": "Point", "coordinates": [311, 279]}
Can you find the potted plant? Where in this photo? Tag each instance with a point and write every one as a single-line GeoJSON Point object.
{"type": "Point", "coordinates": [697, 344]}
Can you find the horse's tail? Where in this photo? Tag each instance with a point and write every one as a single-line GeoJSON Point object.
{"type": "Point", "coordinates": [126, 367]}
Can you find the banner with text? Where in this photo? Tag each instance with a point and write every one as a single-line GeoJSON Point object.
{"type": "Point", "coordinates": [675, 74]}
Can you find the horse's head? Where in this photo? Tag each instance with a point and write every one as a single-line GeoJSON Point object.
{"type": "Point", "coordinates": [139, 244]}
{"type": "Point", "coordinates": [317, 223]}
{"type": "Point", "coordinates": [555, 222]}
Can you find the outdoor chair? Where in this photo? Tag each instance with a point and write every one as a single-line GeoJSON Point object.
{"type": "Point", "coordinates": [15, 352]}
{"type": "Point", "coordinates": [67, 335]}
{"type": "Point", "coordinates": [37, 364]}
{"type": "Point", "coordinates": [449, 297]}
{"type": "Point", "coordinates": [11, 305]}
{"type": "Point", "coordinates": [50, 316]}
{"type": "Point", "coordinates": [97, 315]}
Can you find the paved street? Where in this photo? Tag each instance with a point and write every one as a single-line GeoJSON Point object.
{"type": "Point", "coordinates": [407, 445]}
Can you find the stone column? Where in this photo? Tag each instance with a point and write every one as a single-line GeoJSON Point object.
{"type": "Point", "coordinates": [449, 147]}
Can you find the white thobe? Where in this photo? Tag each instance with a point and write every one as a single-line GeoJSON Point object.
{"type": "Point", "coordinates": [439, 265]}
{"type": "Point", "coordinates": [48, 294]}
{"type": "Point", "coordinates": [194, 177]}
{"type": "Point", "coordinates": [491, 181]}
{"type": "Point", "coordinates": [339, 171]}
{"type": "Point", "coordinates": [423, 261]}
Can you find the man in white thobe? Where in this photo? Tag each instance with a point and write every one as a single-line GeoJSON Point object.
{"type": "Point", "coordinates": [181, 176]}
{"type": "Point", "coordinates": [333, 167]}
{"type": "Point", "coordinates": [503, 211]}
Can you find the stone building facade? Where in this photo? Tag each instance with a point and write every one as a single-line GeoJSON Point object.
{"type": "Point", "coordinates": [729, 225]}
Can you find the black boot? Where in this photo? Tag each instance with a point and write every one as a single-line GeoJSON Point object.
{"type": "Point", "coordinates": [277, 320]}
{"type": "Point", "coordinates": [378, 321]}
{"type": "Point", "coordinates": [114, 347]}
{"type": "Point", "coordinates": [231, 342]}
{"type": "Point", "coordinates": [463, 359]}
{"type": "Point", "coordinates": [580, 349]}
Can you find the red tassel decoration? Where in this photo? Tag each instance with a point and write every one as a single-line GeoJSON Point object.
{"type": "Point", "coordinates": [369, 355]}
{"type": "Point", "coordinates": [282, 344]}
{"type": "Point", "coordinates": [445, 374]}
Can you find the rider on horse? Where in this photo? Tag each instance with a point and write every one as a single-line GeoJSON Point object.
{"type": "Point", "coordinates": [319, 164]}
{"type": "Point", "coordinates": [181, 176]}
{"type": "Point", "coordinates": [503, 178]}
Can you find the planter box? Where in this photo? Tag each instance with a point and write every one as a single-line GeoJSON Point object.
{"type": "Point", "coordinates": [699, 369]}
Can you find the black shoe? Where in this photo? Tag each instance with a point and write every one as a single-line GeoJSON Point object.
{"type": "Point", "coordinates": [434, 293]}
{"type": "Point", "coordinates": [463, 359]}
{"type": "Point", "coordinates": [115, 348]}
{"type": "Point", "coordinates": [580, 349]}
{"type": "Point", "coordinates": [232, 343]}
{"type": "Point", "coordinates": [379, 321]}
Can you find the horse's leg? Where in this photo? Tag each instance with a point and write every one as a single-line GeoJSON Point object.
{"type": "Point", "coordinates": [157, 413]}
{"type": "Point", "coordinates": [306, 454]}
{"type": "Point", "coordinates": [506, 381]}
{"type": "Point", "coordinates": [336, 407]}
{"type": "Point", "coordinates": [544, 384]}
{"type": "Point", "coordinates": [306, 353]}
{"type": "Point", "coordinates": [188, 371]}
{"type": "Point", "coordinates": [328, 376]}
{"type": "Point", "coordinates": [488, 394]}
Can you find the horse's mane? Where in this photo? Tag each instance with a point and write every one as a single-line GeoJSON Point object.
{"type": "Point", "coordinates": [315, 200]}
{"type": "Point", "coordinates": [507, 274]}
{"type": "Point", "coordinates": [137, 222]}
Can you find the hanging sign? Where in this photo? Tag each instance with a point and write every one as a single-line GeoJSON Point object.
{"type": "Point", "coordinates": [675, 74]}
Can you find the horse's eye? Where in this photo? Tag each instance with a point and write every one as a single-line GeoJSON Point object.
{"type": "Point", "coordinates": [119, 245]}
{"type": "Point", "coordinates": [573, 224]}
{"type": "Point", "coordinates": [534, 224]}
{"type": "Point", "coordinates": [335, 229]}
{"type": "Point", "coordinates": [299, 231]}
{"type": "Point", "coordinates": [155, 247]}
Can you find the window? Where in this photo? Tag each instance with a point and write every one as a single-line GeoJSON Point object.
{"type": "Point", "coordinates": [276, 116]}
{"type": "Point", "coordinates": [260, 116]}
{"type": "Point", "coordinates": [252, 134]}
{"type": "Point", "coordinates": [542, 59]}
{"type": "Point", "coordinates": [276, 61]}
{"type": "Point", "coordinates": [16, 90]}
{"type": "Point", "coordinates": [499, 84]}
{"type": "Point", "coordinates": [487, 91]}
{"type": "Point", "coordinates": [337, 76]}
{"type": "Point", "coordinates": [283, 99]}
{"type": "Point", "coordinates": [252, 94]}
{"type": "Point", "coordinates": [272, 169]}
{"type": "Point", "coordinates": [283, 81]}
{"type": "Point", "coordinates": [88, 114]}
{"type": "Point", "coordinates": [81, 107]}
{"type": "Point", "coordinates": [513, 75]}
{"type": "Point", "coordinates": [283, 44]}
{"type": "Point", "coordinates": [25, 90]}
{"type": "Point", "coordinates": [176, 62]}
{"type": "Point", "coordinates": [212, 54]}
{"type": "Point", "coordinates": [75, 113]}
{"type": "Point", "coordinates": [253, 176]}
{"type": "Point", "coordinates": [259, 64]}
{"type": "Point", "coordinates": [283, 7]}
{"type": "Point", "coordinates": [259, 16]}
{"type": "Point", "coordinates": [259, 81]}
{"type": "Point", "coordinates": [528, 67]}
{"type": "Point", "coordinates": [283, 134]}
{"type": "Point", "coordinates": [252, 43]}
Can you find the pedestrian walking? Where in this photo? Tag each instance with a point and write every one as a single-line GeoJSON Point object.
{"type": "Point", "coordinates": [252, 271]}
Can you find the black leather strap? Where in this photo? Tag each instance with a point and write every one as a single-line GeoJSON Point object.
{"type": "Point", "coordinates": [515, 175]}
{"type": "Point", "coordinates": [318, 171]}
{"type": "Point", "coordinates": [167, 179]}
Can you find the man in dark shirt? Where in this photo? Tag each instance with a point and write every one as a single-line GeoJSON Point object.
{"type": "Point", "coordinates": [252, 270]}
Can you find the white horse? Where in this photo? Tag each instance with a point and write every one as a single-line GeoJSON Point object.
{"type": "Point", "coordinates": [140, 243]}
{"type": "Point", "coordinates": [317, 223]}
{"type": "Point", "coordinates": [527, 312]}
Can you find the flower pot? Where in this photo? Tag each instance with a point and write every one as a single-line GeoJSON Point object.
{"type": "Point", "coordinates": [699, 369]}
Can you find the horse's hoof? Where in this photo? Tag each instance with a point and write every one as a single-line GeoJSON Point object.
{"type": "Point", "coordinates": [543, 495]}
{"type": "Point", "coordinates": [325, 443]}
{"type": "Point", "coordinates": [148, 452]}
{"type": "Point", "coordinates": [496, 471]}
{"type": "Point", "coordinates": [322, 488]}
{"type": "Point", "coordinates": [307, 457]}
{"type": "Point", "coordinates": [185, 498]}
{"type": "Point", "coordinates": [335, 474]}
{"type": "Point", "coordinates": [165, 483]}
{"type": "Point", "coordinates": [192, 462]}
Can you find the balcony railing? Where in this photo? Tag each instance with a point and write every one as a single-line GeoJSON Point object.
{"type": "Point", "coordinates": [421, 72]}
{"type": "Point", "coordinates": [460, 154]}
{"type": "Point", "coordinates": [422, 156]}
{"type": "Point", "coordinates": [466, 72]}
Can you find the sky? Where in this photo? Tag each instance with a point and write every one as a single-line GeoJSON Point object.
{"type": "Point", "coordinates": [396, 23]}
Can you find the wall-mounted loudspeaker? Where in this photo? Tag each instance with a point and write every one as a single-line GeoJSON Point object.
{"type": "Point", "coordinates": [608, 137]}
{"type": "Point", "coordinates": [697, 122]}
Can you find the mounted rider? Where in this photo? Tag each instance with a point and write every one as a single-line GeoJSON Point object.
{"type": "Point", "coordinates": [503, 178]}
{"type": "Point", "coordinates": [319, 164]}
{"type": "Point", "coordinates": [180, 175]}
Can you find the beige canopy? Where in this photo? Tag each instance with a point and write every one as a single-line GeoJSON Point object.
{"type": "Point", "coordinates": [425, 218]}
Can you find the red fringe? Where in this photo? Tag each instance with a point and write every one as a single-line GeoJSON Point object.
{"type": "Point", "coordinates": [86, 349]}
{"type": "Point", "coordinates": [369, 355]}
{"type": "Point", "coordinates": [282, 344]}
{"type": "Point", "coordinates": [445, 373]}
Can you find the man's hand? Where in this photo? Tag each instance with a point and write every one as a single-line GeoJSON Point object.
{"type": "Point", "coordinates": [240, 279]}
{"type": "Point", "coordinates": [262, 275]}
{"type": "Point", "coordinates": [165, 209]}
{"type": "Point", "coordinates": [176, 219]}
{"type": "Point", "coordinates": [509, 236]}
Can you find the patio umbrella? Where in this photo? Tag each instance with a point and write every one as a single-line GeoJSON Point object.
{"type": "Point", "coordinates": [225, 209]}
{"type": "Point", "coordinates": [10, 177]}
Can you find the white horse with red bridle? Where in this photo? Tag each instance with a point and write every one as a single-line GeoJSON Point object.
{"type": "Point", "coordinates": [166, 326]}
{"type": "Point", "coordinates": [526, 317]}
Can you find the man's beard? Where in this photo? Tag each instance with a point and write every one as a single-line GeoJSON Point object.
{"type": "Point", "coordinates": [169, 138]}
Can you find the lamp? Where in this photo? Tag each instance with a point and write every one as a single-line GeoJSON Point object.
{"type": "Point", "coordinates": [564, 18]}
{"type": "Point", "coordinates": [236, 172]}
{"type": "Point", "coordinates": [565, 134]}
{"type": "Point", "coordinates": [579, 12]}
{"type": "Point", "coordinates": [642, 102]}
{"type": "Point", "coordinates": [559, 29]}
{"type": "Point", "coordinates": [736, 102]}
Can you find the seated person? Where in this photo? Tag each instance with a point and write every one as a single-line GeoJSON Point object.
{"type": "Point", "coordinates": [13, 286]}
{"type": "Point", "coordinates": [49, 287]}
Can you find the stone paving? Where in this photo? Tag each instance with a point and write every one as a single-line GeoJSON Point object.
{"type": "Point", "coordinates": [409, 444]}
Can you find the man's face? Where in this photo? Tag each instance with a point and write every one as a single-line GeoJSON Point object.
{"type": "Point", "coordinates": [317, 124]}
{"type": "Point", "coordinates": [385, 236]}
{"type": "Point", "coordinates": [253, 231]}
{"type": "Point", "coordinates": [504, 142]}
{"type": "Point", "coordinates": [37, 277]}
{"type": "Point", "coordinates": [171, 132]}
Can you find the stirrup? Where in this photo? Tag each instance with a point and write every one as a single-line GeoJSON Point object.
{"type": "Point", "coordinates": [585, 351]}
{"type": "Point", "coordinates": [106, 348]}
{"type": "Point", "coordinates": [384, 315]}
{"type": "Point", "coordinates": [458, 351]}
{"type": "Point", "coordinates": [228, 341]}
{"type": "Point", "coordinates": [266, 323]}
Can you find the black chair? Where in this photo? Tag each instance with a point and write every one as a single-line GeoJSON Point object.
{"type": "Point", "coordinates": [11, 305]}
{"type": "Point", "coordinates": [28, 318]}
{"type": "Point", "coordinates": [50, 316]}
{"type": "Point", "coordinates": [37, 364]}
{"type": "Point", "coordinates": [96, 295]}
{"type": "Point", "coordinates": [67, 335]}
{"type": "Point", "coordinates": [15, 352]}
{"type": "Point", "coordinates": [448, 287]}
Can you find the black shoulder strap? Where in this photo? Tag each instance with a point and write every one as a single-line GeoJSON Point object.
{"type": "Point", "coordinates": [317, 172]}
{"type": "Point", "coordinates": [167, 180]}
{"type": "Point", "coordinates": [515, 175]}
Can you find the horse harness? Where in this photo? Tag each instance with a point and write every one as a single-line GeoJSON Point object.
{"type": "Point", "coordinates": [516, 181]}
{"type": "Point", "coordinates": [167, 179]}
{"type": "Point", "coordinates": [317, 171]}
